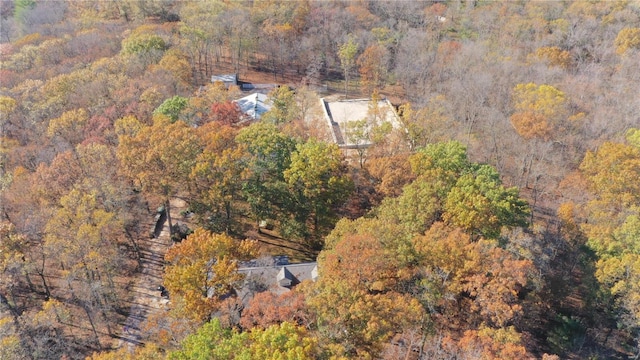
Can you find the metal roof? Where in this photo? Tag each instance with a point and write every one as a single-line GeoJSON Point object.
{"type": "Point", "coordinates": [225, 78]}
{"type": "Point", "coordinates": [254, 105]}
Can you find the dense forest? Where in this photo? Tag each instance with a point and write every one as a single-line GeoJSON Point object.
{"type": "Point", "coordinates": [502, 220]}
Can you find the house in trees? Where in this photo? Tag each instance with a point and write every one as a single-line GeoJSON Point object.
{"type": "Point", "coordinates": [352, 123]}
{"type": "Point", "coordinates": [254, 106]}
{"type": "Point", "coordinates": [226, 79]}
{"type": "Point", "coordinates": [276, 275]}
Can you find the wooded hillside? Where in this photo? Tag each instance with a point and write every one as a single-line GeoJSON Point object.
{"type": "Point", "coordinates": [500, 219]}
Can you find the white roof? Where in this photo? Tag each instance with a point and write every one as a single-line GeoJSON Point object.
{"type": "Point", "coordinates": [254, 105]}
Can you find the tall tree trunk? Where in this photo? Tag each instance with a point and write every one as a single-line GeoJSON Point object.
{"type": "Point", "coordinates": [93, 326]}
{"type": "Point", "coordinates": [167, 208]}
{"type": "Point", "coordinates": [346, 84]}
{"type": "Point", "coordinates": [227, 226]}
{"type": "Point", "coordinates": [136, 248]}
{"type": "Point", "coordinates": [4, 300]}
{"type": "Point", "coordinates": [44, 280]}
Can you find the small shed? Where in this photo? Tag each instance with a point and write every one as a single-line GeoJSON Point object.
{"type": "Point", "coordinates": [227, 79]}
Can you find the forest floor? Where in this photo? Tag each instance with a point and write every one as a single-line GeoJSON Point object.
{"type": "Point", "coordinates": [146, 299]}
{"type": "Point", "coordinates": [333, 85]}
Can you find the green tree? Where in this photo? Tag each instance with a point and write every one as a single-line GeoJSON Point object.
{"type": "Point", "coordinates": [418, 206]}
{"type": "Point", "coordinates": [449, 187]}
{"type": "Point", "coordinates": [480, 204]}
{"type": "Point", "coordinates": [277, 342]}
{"type": "Point", "coordinates": [633, 137]}
{"type": "Point", "coordinates": [145, 44]}
{"type": "Point", "coordinates": [268, 156]}
{"type": "Point", "coordinates": [172, 107]}
{"type": "Point", "coordinates": [347, 54]}
{"type": "Point", "coordinates": [446, 160]}
{"type": "Point", "coordinates": [319, 183]}
{"type": "Point", "coordinates": [212, 341]}
{"type": "Point", "coordinates": [285, 107]}
{"type": "Point", "coordinates": [284, 341]}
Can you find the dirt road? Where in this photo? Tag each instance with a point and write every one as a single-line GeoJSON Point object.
{"type": "Point", "coordinates": [146, 298]}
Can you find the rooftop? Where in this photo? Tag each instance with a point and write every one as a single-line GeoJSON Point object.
{"type": "Point", "coordinates": [225, 78]}
{"type": "Point", "coordinates": [254, 105]}
{"type": "Point", "coordinates": [277, 279]}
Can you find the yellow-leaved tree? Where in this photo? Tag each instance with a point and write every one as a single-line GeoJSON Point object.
{"type": "Point", "coordinates": [202, 269]}
{"type": "Point", "coordinates": [628, 38]}
{"type": "Point", "coordinates": [539, 109]}
{"type": "Point", "coordinates": [613, 223]}
{"type": "Point", "coordinates": [69, 126]}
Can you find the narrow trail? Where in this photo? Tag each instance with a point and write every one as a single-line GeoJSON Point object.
{"type": "Point", "coordinates": [146, 298]}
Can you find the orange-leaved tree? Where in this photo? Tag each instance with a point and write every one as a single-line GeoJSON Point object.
{"type": "Point", "coordinates": [372, 67]}
{"type": "Point", "coordinates": [483, 279]}
{"type": "Point", "coordinates": [202, 269]}
{"type": "Point", "coordinates": [356, 299]}
{"type": "Point", "coordinates": [267, 308]}
{"type": "Point", "coordinates": [218, 176]}
{"type": "Point", "coordinates": [539, 110]}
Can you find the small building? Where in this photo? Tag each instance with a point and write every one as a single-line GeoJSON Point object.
{"type": "Point", "coordinates": [261, 88]}
{"type": "Point", "coordinates": [279, 277]}
{"type": "Point", "coordinates": [340, 114]}
{"type": "Point", "coordinates": [254, 106]}
{"type": "Point", "coordinates": [226, 79]}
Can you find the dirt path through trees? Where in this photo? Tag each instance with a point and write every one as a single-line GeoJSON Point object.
{"type": "Point", "coordinates": [146, 299]}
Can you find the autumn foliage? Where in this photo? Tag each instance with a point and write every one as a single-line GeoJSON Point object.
{"type": "Point", "coordinates": [202, 270]}
{"type": "Point", "coordinates": [226, 113]}
{"type": "Point", "coordinates": [496, 217]}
